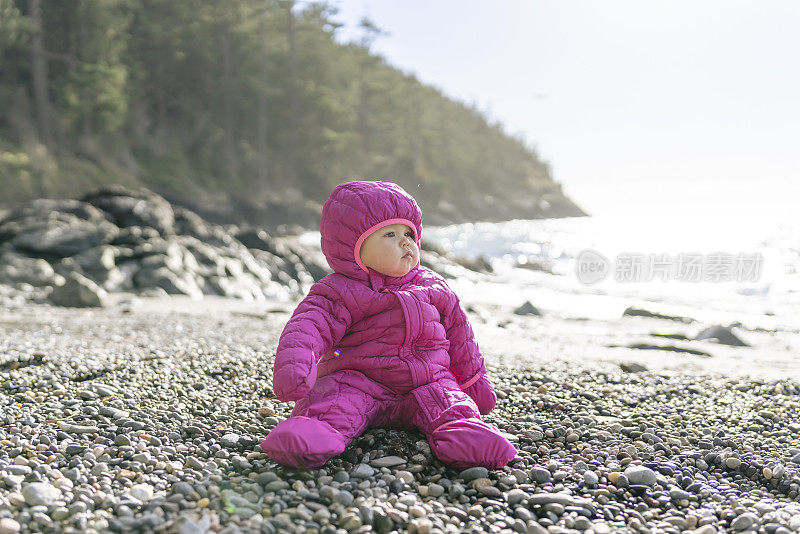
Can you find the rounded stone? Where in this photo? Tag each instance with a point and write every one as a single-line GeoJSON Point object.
{"type": "Point", "coordinates": [435, 490]}
{"type": "Point", "coordinates": [345, 498]}
{"type": "Point", "coordinates": [276, 485]}
{"type": "Point", "coordinates": [638, 474]}
{"type": "Point", "coordinates": [733, 463]}
{"type": "Point", "coordinates": [9, 526]}
{"type": "Point", "coordinates": [388, 461]}
{"type": "Point", "coordinates": [474, 473]}
{"type": "Point", "coordinates": [40, 493]}
{"type": "Point", "coordinates": [229, 440]}
{"type": "Point", "coordinates": [406, 477]}
{"type": "Point", "coordinates": [143, 492]}
{"type": "Point", "coordinates": [490, 491]}
{"type": "Point", "coordinates": [540, 475]}
{"type": "Point", "coordinates": [515, 496]}
{"type": "Point", "coordinates": [744, 522]}
{"type": "Point", "coordinates": [363, 471]}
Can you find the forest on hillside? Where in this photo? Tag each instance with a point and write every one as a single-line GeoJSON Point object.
{"type": "Point", "coordinates": [249, 109]}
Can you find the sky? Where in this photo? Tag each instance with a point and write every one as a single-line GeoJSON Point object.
{"type": "Point", "coordinates": [638, 106]}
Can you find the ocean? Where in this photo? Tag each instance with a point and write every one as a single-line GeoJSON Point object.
{"type": "Point", "coordinates": [725, 267]}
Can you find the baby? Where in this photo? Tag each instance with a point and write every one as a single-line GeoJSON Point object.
{"type": "Point", "coordinates": [382, 342]}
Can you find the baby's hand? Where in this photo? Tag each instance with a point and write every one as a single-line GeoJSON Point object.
{"type": "Point", "coordinates": [292, 381]}
{"type": "Point", "coordinates": [483, 394]}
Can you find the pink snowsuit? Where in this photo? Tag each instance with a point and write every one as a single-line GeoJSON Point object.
{"type": "Point", "coordinates": [393, 352]}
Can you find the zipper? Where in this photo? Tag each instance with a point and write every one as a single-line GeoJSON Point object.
{"type": "Point", "coordinates": [419, 370]}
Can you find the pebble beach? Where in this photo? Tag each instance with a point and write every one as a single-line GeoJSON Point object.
{"type": "Point", "coordinates": [145, 416]}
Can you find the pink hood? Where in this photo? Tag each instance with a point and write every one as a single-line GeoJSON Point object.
{"type": "Point", "coordinates": [352, 212]}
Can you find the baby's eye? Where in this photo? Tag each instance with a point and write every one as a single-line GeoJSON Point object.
{"type": "Point", "coordinates": [389, 234]}
{"type": "Point", "coordinates": [410, 234]}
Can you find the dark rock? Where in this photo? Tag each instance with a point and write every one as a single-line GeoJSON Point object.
{"type": "Point", "coordinates": [680, 337]}
{"type": "Point", "coordinates": [527, 309]}
{"type": "Point", "coordinates": [540, 475]}
{"type": "Point", "coordinates": [396, 486]}
{"type": "Point", "coordinates": [98, 259]}
{"type": "Point", "coordinates": [668, 348]}
{"type": "Point", "coordinates": [164, 278]}
{"type": "Point", "coordinates": [638, 312]}
{"type": "Point", "coordinates": [381, 523]}
{"type": "Point", "coordinates": [146, 254]}
{"type": "Point", "coordinates": [307, 261]}
{"type": "Point", "coordinates": [723, 335]}
{"type": "Point", "coordinates": [134, 208]}
{"type": "Point", "coordinates": [473, 473]}
{"type": "Point", "coordinates": [78, 292]}
{"type": "Point", "coordinates": [189, 223]}
{"type": "Point", "coordinates": [63, 234]}
{"type": "Point", "coordinates": [134, 236]}
{"type": "Point", "coordinates": [183, 488]}
{"type": "Point", "coordinates": [255, 238]}
{"type": "Point", "coordinates": [42, 207]}
{"type": "Point", "coordinates": [18, 269]}
{"type": "Point", "coordinates": [632, 367]}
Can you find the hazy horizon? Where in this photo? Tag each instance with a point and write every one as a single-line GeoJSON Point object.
{"type": "Point", "coordinates": [637, 107]}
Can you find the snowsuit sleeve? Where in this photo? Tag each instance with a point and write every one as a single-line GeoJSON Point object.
{"type": "Point", "coordinates": [318, 323]}
{"type": "Point", "coordinates": [466, 362]}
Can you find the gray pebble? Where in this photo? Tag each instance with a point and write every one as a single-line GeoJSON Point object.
{"type": "Point", "coordinates": [540, 475]}
{"type": "Point", "coordinates": [18, 470]}
{"type": "Point", "coordinates": [363, 471]}
{"type": "Point", "coordinates": [40, 493]}
{"type": "Point", "coordinates": [523, 513]}
{"type": "Point", "coordinates": [345, 498]}
{"type": "Point", "coordinates": [184, 488]}
{"type": "Point", "coordinates": [341, 476]}
{"type": "Point", "coordinates": [581, 523]}
{"type": "Point", "coordinates": [679, 494]}
{"type": "Point", "coordinates": [639, 474]}
{"type": "Point", "coordinates": [473, 473]}
{"type": "Point", "coordinates": [388, 461]}
{"type": "Point", "coordinates": [79, 429]}
{"type": "Point", "coordinates": [515, 496]}
{"type": "Point", "coordinates": [547, 498]}
{"type": "Point", "coordinates": [9, 526]}
{"type": "Point", "coordinates": [276, 485]}
{"type": "Point", "coordinates": [230, 440]}
{"type": "Point", "coordinates": [193, 463]}
{"type": "Point", "coordinates": [733, 462]}
{"type": "Point", "coordinates": [114, 413]}
{"type": "Point", "coordinates": [744, 522]}
{"type": "Point", "coordinates": [435, 490]}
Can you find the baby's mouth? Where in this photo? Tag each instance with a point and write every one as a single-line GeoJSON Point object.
{"type": "Point", "coordinates": [408, 255]}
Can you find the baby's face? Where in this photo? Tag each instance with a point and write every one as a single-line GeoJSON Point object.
{"type": "Point", "coordinates": [391, 250]}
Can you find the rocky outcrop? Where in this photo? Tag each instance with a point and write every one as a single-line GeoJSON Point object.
{"type": "Point", "coordinates": [73, 252]}
{"type": "Point", "coordinates": [78, 292]}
